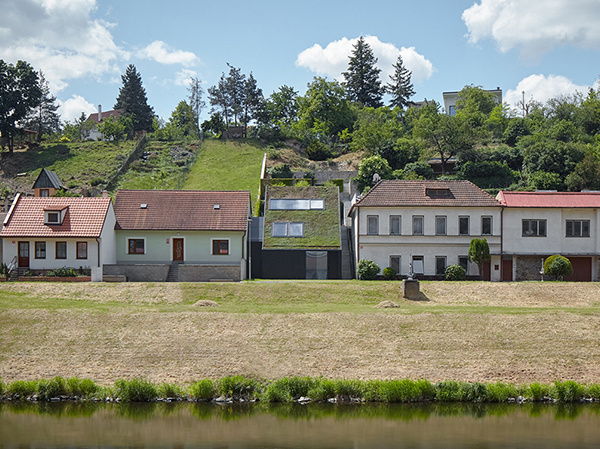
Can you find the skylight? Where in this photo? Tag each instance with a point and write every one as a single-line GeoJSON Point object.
{"type": "Point", "coordinates": [296, 204]}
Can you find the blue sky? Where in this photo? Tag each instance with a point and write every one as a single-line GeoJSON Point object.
{"type": "Point", "coordinates": [546, 48]}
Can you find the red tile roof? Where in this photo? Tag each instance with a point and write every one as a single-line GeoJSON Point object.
{"type": "Point", "coordinates": [400, 193]}
{"type": "Point", "coordinates": [116, 113]}
{"type": "Point", "coordinates": [549, 199]}
{"type": "Point", "coordinates": [182, 210]}
{"type": "Point", "coordinates": [84, 217]}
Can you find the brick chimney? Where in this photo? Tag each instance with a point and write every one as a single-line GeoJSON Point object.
{"type": "Point", "coordinates": [104, 194]}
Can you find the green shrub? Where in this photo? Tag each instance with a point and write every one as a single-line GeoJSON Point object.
{"type": "Point", "coordinates": [62, 272]}
{"type": "Point", "coordinates": [203, 390]}
{"type": "Point", "coordinates": [348, 388]}
{"type": "Point", "coordinates": [52, 388]}
{"type": "Point", "coordinates": [474, 392]}
{"type": "Point", "coordinates": [317, 151]}
{"type": "Point", "coordinates": [323, 390]}
{"type": "Point", "coordinates": [287, 389]}
{"type": "Point", "coordinates": [96, 181]}
{"type": "Point", "coordinates": [593, 391]}
{"type": "Point", "coordinates": [567, 391]}
{"type": "Point", "coordinates": [167, 390]}
{"type": "Point", "coordinates": [135, 390]}
{"type": "Point", "coordinates": [558, 267]}
{"type": "Point", "coordinates": [86, 388]}
{"type": "Point", "coordinates": [455, 273]}
{"type": "Point", "coordinates": [500, 392]}
{"type": "Point", "coordinates": [23, 388]}
{"type": "Point", "coordinates": [389, 274]}
{"type": "Point", "coordinates": [2, 387]}
{"type": "Point", "coordinates": [449, 391]}
{"type": "Point", "coordinates": [367, 270]}
{"type": "Point", "coordinates": [281, 171]}
{"type": "Point", "coordinates": [406, 390]}
{"type": "Point", "coordinates": [537, 391]}
{"type": "Point", "coordinates": [237, 387]}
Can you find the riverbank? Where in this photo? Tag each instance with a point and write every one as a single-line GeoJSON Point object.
{"type": "Point", "coordinates": [467, 331]}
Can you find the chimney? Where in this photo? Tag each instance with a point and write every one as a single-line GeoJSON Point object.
{"type": "Point", "coordinates": [104, 194]}
{"type": "Point", "coordinates": [99, 113]}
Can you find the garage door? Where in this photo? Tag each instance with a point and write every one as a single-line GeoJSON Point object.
{"type": "Point", "coordinates": [582, 269]}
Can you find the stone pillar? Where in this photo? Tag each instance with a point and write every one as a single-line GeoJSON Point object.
{"type": "Point", "coordinates": [410, 289]}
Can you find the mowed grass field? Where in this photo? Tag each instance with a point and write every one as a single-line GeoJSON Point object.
{"type": "Point", "coordinates": [227, 165]}
{"type": "Point", "coordinates": [471, 331]}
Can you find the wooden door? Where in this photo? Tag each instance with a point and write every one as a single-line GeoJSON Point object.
{"type": "Point", "coordinates": [582, 269]}
{"type": "Point", "coordinates": [507, 267]}
{"type": "Point", "coordinates": [178, 249]}
{"type": "Point", "coordinates": [24, 254]}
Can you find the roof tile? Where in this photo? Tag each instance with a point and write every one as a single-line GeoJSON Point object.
{"type": "Point", "coordinates": [549, 199]}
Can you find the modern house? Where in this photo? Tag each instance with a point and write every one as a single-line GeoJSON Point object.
{"type": "Point", "coordinates": [48, 233]}
{"type": "Point", "coordinates": [424, 226]}
{"type": "Point", "coordinates": [181, 235]}
{"type": "Point", "coordinates": [536, 225]}
{"type": "Point", "coordinates": [300, 235]}
{"type": "Point", "coordinates": [450, 99]}
{"type": "Point", "coordinates": [47, 184]}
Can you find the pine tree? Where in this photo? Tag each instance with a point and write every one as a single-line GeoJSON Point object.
{"type": "Point", "coordinates": [253, 100]}
{"type": "Point", "coordinates": [44, 119]}
{"type": "Point", "coordinates": [132, 99]}
{"type": "Point", "coordinates": [362, 82]}
{"type": "Point", "coordinates": [400, 87]}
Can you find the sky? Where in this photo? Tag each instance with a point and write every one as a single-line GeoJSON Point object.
{"type": "Point", "coordinates": [545, 48]}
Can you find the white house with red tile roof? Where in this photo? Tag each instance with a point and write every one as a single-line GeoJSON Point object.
{"type": "Point", "coordinates": [48, 233]}
{"type": "Point", "coordinates": [536, 225]}
{"type": "Point", "coordinates": [185, 235]}
{"type": "Point", "coordinates": [426, 226]}
{"type": "Point", "coordinates": [95, 119]}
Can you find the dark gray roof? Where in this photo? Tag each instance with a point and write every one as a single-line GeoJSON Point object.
{"type": "Point", "coordinates": [48, 179]}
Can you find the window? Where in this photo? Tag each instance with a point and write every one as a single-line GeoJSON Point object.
{"type": "Point", "coordinates": [534, 228]}
{"type": "Point", "coordinates": [82, 250]}
{"type": "Point", "coordinates": [463, 226]}
{"type": "Point", "coordinates": [417, 265]}
{"type": "Point", "coordinates": [486, 226]}
{"type": "Point", "coordinates": [287, 229]}
{"type": "Point", "coordinates": [463, 261]}
{"type": "Point", "coordinates": [417, 225]}
{"type": "Point", "coordinates": [395, 263]}
{"type": "Point", "coordinates": [296, 204]}
{"type": "Point", "coordinates": [53, 217]}
{"type": "Point", "coordinates": [440, 225]}
{"type": "Point", "coordinates": [438, 193]}
{"type": "Point", "coordinates": [44, 193]}
{"type": "Point", "coordinates": [395, 224]}
{"type": "Point", "coordinates": [40, 250]}
{"type": "Point", "coordinates": [578, 228]}
{"type": "Point", "coordinates": [440, 265]}
{"type": "Point", "coordinates": [220, 247]}
{"type": "Point", "coordinates": [136, 246]}
{"type": "Point", "coordinates": [372, 224]}
{"type": "Point", "coordinates": [61, 250]}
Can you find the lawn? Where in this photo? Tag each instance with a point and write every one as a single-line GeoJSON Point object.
{"type": "Point", "coordinates": [227, 165]}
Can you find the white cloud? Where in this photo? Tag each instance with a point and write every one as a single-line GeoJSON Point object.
{"type": "Point", "coordinates": [333, 59]}
{"type": "Point", "coordinates": [182, 78]}
{"type": "Point", "coordinates": [535, 26]}
{"type": "Point", "coordinates": [72, 108]}
{"type": "Point", "coordinates": [162, 53]}
{"type": "Point", "coordinates": [58, 37]}
{"type": "Point", "coordinates": [542, 88]}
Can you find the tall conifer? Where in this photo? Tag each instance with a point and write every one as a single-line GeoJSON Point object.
{"type": "Point", "coordinates": [400, 86]}
{"type": "Point", "coordinates": [132, 99]}
{"type": "Point", "coordinates": [362, 82]}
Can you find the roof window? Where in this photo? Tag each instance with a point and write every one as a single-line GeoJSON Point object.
{"type": "Point", "coordinates": [296, 204]}
{"type": "Point", "coordinates": [438, 193]}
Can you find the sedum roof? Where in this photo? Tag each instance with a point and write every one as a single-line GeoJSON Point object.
{"type": "Point", "coordinates": [183, 210]}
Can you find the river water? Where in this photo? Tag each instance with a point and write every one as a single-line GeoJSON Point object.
{"type": "Point", "coordinates": [190, 425]}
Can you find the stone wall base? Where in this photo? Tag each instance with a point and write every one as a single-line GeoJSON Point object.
{"type": "Point", "coordinates": [208, 273]}
{"type": "Point", "coordinates": [139, 272]}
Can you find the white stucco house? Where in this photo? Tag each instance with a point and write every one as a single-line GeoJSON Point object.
{"type": "Point", "coordinates": [536, 225]}
{"type": "Point", "coordinates": [426, 226]}
{"type": "Point", "coordinates": [47, 233]}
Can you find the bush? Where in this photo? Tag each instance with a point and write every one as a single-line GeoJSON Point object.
{"type": "Point", "coordinates": [322, 390]}
{"type": "Point", "coordinates": [136, 390]}
{"type": "Point", "coordinates": [167, 390]}
{"type": "Point", "coordinates": [96, 181]}
{"type": "Point", "coordinates": [23, 388]}
{"type": "Point", "coordinates": [52, 388]}
{"type": "Point", "coordinates": [367, 270]}
{"type": "Point", "coordinates": [317, 151]}
{"type": "Point", "coordinates": [501, 392]}
{"type": "Point", "coordinates": [86, 388]}
{"type": "Point", "coordinates": [203, 390]}
{"type": "Point", "coordinates": [62, 272]}
{"type": "Point", "coordinates": [558, 267]}
{"type": "Point", "coordinates": [567, 391]}
{"type": "Point", "coordinates": [474, 392]}
{"type": "Point", "coordinates": [287, 389]}
{"type": "Point", "coordinates": [449, 391]}
{"type": "Point", "coordinates": [281, 171]}
{"type": "Point", "coordinates": [238, 387]}
{"type": "Point", "coordinates": [537, 391]}
{"type": "Point", "coordinates": [389, 274]}
{"type": "Point", "coordinates": [455, 273]}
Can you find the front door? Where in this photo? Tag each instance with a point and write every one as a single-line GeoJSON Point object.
{"type": "Point", "coordinates": [507, 270]}
{"type": "Point", "coordinates": [24, 254]}
{"type": "Point", "coordinates": [178, 249]}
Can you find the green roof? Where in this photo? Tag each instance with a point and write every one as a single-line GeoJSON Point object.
{"type": "Point", "coordinates": [321, 226]}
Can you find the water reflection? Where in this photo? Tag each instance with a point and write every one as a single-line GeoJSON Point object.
{"type": "Point", "coordinates": [183, 425]}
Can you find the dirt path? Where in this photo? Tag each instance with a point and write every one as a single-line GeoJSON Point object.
{"type": "Point", "coordinates": [506, 344]}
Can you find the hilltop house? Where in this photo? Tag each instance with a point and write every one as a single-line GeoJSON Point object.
{"type": "Point", "coordinates": [299, 235]}
{"type": "Point", "coordinates": [47, 184]}
{"type": "Point", "coordinates": [96, 118]}
{"type": "Point", "coordinates": [424, 226]}
{"type": "Point", "coordinates": [181, 235]}
{"type": "Point", "coordinates": [536, 225]}
{"type": "Point", "coordinates": [47, 233]}
{"type": "Point", "coordinates": [450, 99]}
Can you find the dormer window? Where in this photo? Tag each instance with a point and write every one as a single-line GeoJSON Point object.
{"type": "Point", "coordinates": [55, 215]}
{"type": "Point", "coordinates": [438, 193]}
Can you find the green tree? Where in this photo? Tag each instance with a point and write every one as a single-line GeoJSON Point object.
{"type": "Point", "coordinates": [216, 124]}
{"type": "Point", "coordinates": [218, 96]}
{"type": "Point", "coordinates": [184, 118]}
{"type": "Point", "coordinates": [282, 106]}
{"type": "Point", "coordinates": [400, 86]}
{"type": "Point", "coordinates": [558, 267]}
{"type": "Point", "coordinates": [415, 170]}
{"type": "Point", "coordinates": [479, 253]}
{"type": "Point", "coordinates": [367, 270]}
{"type": "Point", "coordinates": [323, 112]}
{"type": "Point", "coordinates": [253, 100]}
{"type": "Point", "coordinates": [44, 119]}
{"type": "Point", "coordinates": [585, 175]}
{"type": "Point", "coordinates": [115, 130]}
{"type": "Point", "coordinates": [376, 128]}
{"type": "Point", "coordinates": [20, 93]}
{"type": "Point", "coordinates": [368, 168]}
{"type": "Point", "coordinates": [361, 80]}
{"type": "Point", "coordinates": [133, 101]}
{"type": "Point", "coordinates": [196, 100]}
{"type": "Point", "coordinates": [475, 105]}
{"type": "Point", "coordinates": [236, 87]}
{"type": "Point", "coordinates": [487, 174]}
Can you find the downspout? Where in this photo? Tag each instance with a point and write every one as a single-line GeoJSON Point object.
{"type": "Point", "coordinates": [357, 242]}
{"type": "Point", "coordinates": [101, 269]}
{"type": "Point", "coordinates": [243, 258]}
{"type": "Point", "coordinates": [502, 243]}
